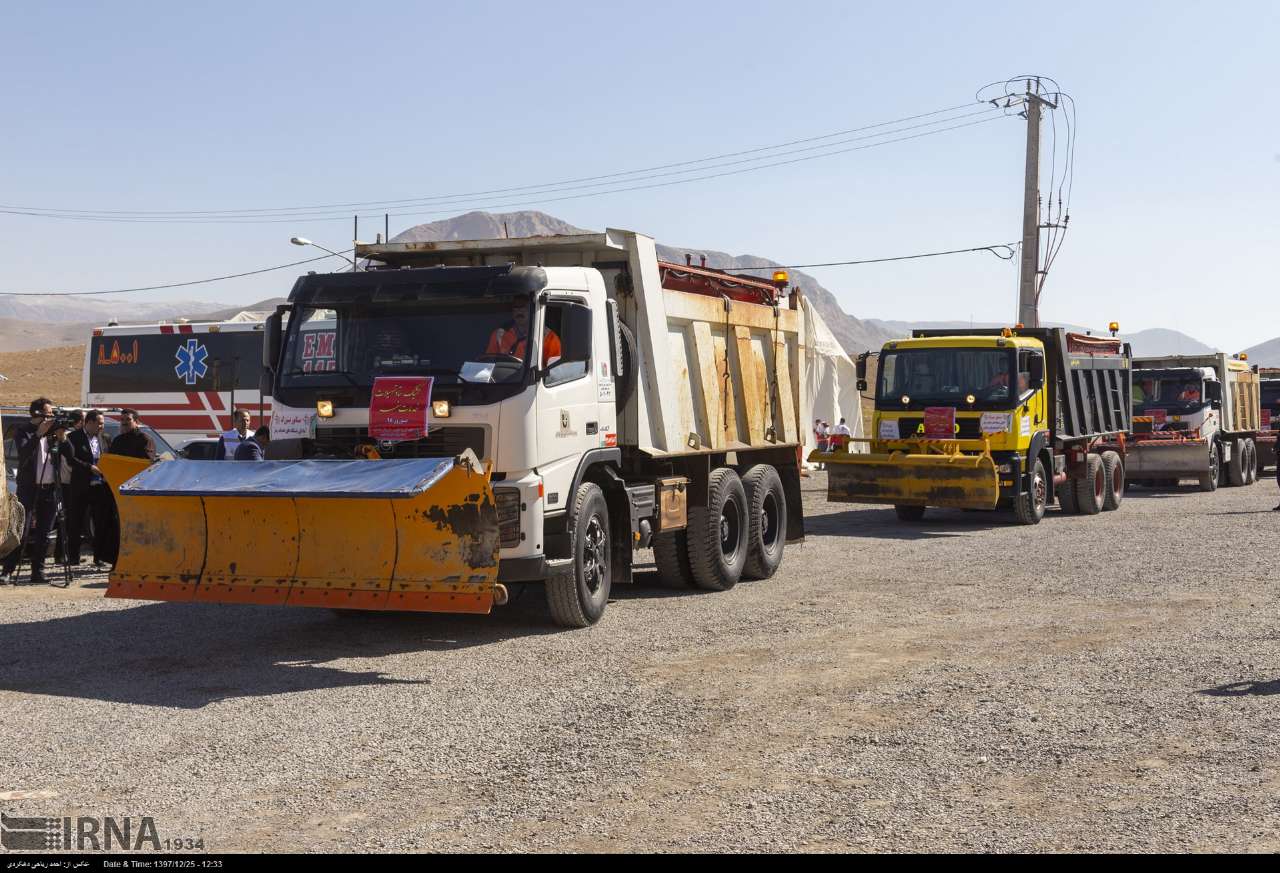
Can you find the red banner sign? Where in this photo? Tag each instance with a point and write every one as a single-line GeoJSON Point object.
{"type": "Point", "coordinates": [399, 407]}
{"type": "Point", "coordinates": [939, 422]}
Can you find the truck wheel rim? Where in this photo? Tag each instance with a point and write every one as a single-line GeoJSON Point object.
{"type": "Point", "coordinates": [1117, 482]}
{"type": "Point", "coordinates": [770, 522]}
{"type": "Point", "coordinates": [1040, 493]}
{"type": "Point", "coordinates": [730, 531]}
{"type": "Point", "coordinates": [1099, 485]}
{"type": "Point", "coordinates": [595, 555]}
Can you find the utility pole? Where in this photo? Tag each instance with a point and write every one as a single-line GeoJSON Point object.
{"type": "Point", "coordinates": [1029, 281]}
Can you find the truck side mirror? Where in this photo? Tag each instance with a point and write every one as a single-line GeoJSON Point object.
{"type": "Point", "coordinates": [1213, 391]}
{"type": "Point", "coordinates": [1035, 369]}
{"type": "Point", "coordinates": [271, 341]}
{"type": "Point", "coordinates": [861, 365]}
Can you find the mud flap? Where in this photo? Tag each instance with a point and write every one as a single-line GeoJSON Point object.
{"type": "Point", "coordinates": [951, 480]}
{"type": "Point", "coordinates": [418, 534]}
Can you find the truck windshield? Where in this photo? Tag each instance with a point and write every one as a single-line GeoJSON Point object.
{"type": "Point", "coordinates": [947, 377]}
{"type": "Point", "coordinates": [1167, 392]}
{"type": "Point", "coordinates": [353, 343]}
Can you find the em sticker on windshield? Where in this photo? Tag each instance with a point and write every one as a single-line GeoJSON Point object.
{"type": "Point", "coordinates": [889, 429]}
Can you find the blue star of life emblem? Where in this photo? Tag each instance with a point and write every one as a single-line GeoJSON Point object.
{"type": "Point", "coordinates": [191, 361]}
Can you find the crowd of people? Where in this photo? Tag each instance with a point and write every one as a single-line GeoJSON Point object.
{"type": "Point", "coordinates": [58, 477]}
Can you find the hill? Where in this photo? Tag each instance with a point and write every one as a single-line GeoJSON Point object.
{"type": "Point", "coordinates": [1265, 354]}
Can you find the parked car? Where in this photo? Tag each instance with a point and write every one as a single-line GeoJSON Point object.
{"type": "Point", "coordinates": [200, 449]}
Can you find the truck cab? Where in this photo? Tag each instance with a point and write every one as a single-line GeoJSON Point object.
{"type": "Point", "coordinates": [1176, 399]}
{"type": "Point", "coordinates": [522, 361]}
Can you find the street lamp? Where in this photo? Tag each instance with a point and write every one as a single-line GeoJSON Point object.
{"type": "Point", "coordinates": [303, 241]}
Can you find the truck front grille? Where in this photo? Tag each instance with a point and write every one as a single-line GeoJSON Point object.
{"type": "Point", "coordinates": [440, 442]}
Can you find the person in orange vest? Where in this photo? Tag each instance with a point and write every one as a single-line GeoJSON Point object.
{"type": "Point", "coordinates": [512, 338]}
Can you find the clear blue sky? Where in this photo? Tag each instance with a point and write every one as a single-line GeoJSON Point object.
{"type": "Point", "coordinates": [178, 107]}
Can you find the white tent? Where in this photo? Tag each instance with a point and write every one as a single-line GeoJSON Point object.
{"type": "Point", "coordinates": [831, 389]}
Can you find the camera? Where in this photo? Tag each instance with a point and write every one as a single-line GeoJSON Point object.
{"type": "Point", "coordinates": [65, 419]}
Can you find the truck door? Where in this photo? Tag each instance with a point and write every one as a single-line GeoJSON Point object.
{"type": "Point", "coordinates": [568, 409]}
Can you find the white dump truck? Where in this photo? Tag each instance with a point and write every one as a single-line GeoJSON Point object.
{"type": "Point", "coordinates": [586, 400]}
{"type": "Point", "coordinates": [1194, 417]}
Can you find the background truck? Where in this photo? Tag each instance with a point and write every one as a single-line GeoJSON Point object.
{"type": "Point", "coordinates": [184, 379]}
{"type": "Point", "coordinates": [987, 419]}
{"type": "Point", "coordinates": [1195, 417]}
{"type": "Point", "coordinates": [1269, 421]}
{"type": "Point", "coordinates": [648, 404]}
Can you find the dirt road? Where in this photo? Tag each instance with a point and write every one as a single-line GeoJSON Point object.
{"type": "Point", "coordinates": [1108, 683]}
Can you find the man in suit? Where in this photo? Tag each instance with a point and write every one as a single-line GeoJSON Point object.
{"type": "Point", "coordinates": [231, 440]}
{"type": "Point", "coordinates": [37, 485]}
{"type": "Point", "coordinates": [255, 447]}
{"type": "Point", "coordinates": [88, 495]}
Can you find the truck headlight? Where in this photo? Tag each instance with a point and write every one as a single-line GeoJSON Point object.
{"type": "Point", "coordinates": [508, 501]}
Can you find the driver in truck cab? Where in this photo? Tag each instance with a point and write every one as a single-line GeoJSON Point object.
{"type": "Point", "coordinates": [512, 338]}
{"type": "Point", "coordinates": [1190, 393]}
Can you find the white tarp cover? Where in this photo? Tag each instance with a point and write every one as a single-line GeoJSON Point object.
{"type": "Point", "coordinates": [831, 380]}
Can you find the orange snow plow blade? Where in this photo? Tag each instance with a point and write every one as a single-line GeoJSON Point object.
{"type": "Point", "coordinates": [418, 534]}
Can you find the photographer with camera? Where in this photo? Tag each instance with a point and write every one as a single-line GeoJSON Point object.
{"type": "Point", "coordinates": [38, 444]}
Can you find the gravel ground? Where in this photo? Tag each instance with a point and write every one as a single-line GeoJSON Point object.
{"type": "Point", "coordinates": [1105, 683]}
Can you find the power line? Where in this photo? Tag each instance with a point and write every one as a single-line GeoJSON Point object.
{"type": "Point", "coordinates": [298, 219]}
{"type": "Point", "coordinates": [1008, 247]}
{"type": "Point", "coordinates": [422, 200]}
{"type": "Point", "coordinates": [171, 284]}
{"type": "Point", "coordinates": [989, 248]}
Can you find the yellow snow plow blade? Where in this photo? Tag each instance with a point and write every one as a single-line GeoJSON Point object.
{"type": "Point", "coordinates": [413, 534]}
{"type": "Point", "coordinates": [940, 475]}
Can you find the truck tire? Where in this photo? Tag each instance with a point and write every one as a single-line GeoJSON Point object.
{"type": "Point", "coordinates": [909, 513]}
{"type": "Point", "coordinates": [718, 533]}
{"type": "Point", "coordinates": [1113, 472]}
{"type": "Point", "coordinates": [1235, 467]}
{"type": "Point", "coordinates": [578, 599]}
{"type": "Point", "coordinates": [1250, 462]}
{"type": "Point", "coordinates": [1028, 508]}
{"type": "Point", "coordinates": [1066, 494]}
{"type": "Point", "coordinates": [767, 521]}
{"type": "Point", "coordinates": [671, 554]}
{"type": "Point", "coordinates": [1091, 488]}
{"type": "Point", "coordinates": [1209, 481]}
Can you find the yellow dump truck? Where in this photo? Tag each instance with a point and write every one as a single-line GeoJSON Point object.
{"type": "Point", "coordinates": [586, 400]}
{"type": "Point", "coordinates": [992, 419]}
